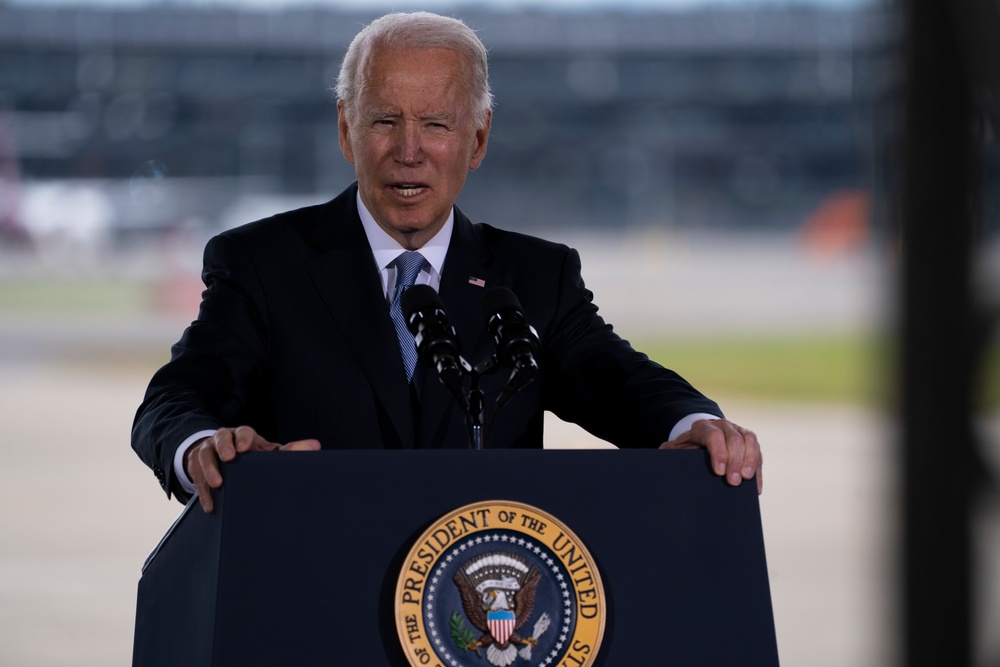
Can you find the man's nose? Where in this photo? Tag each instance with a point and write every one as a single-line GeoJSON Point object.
{"type": "Point", "coordinates": [408, 144]}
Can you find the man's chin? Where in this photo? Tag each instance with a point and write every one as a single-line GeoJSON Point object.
{"type": "Point", "coordinates": [409, 229]}
{"type": "Point", "coordinates": [409, 225]}
{"type": "Point", "coordinates": [410, 234]}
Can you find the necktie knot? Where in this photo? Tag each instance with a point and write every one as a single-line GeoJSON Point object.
{"type": "Point", "coordinates": [408, 266]}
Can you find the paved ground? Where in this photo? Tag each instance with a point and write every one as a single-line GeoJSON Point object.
{"type": "Point", "coordinates": [80, 512]}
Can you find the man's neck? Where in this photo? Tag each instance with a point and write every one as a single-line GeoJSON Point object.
{"type": "Point", "coordinates": [385, 247]}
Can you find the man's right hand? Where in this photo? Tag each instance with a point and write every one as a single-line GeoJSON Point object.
{"type": "Point", "coordinates": [201, 461]}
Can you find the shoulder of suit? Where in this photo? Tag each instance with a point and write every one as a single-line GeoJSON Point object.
{"type": "Point", "coordinates": [298, 219]}
{"type": "Point", "coordinates": [501, 239]}
{"type": "Point", "coordinates": [283, 221]}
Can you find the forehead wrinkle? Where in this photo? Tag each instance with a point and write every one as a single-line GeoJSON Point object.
{"type": "Point", "coordinates": [437, 116]}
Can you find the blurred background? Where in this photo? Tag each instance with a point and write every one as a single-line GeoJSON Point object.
{"type": "Point", "coordinates": [725, 168]}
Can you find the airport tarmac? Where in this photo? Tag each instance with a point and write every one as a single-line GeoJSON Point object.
{"type": "Point", "coordinates": [81, 513]}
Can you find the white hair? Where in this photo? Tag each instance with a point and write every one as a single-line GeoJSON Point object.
{"type": "Point", "coordinates": [416, 30]}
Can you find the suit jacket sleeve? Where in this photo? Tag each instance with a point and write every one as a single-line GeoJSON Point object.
{"type": "Point", "coordinates": [596, 379]}
{"type": "Point", "coordinates": [214, 367]}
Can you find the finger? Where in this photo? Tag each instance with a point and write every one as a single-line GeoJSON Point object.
{"type": "Point", "coordinates": [247, 439]}
{"type": "Point", "coordinates": [704, 434]}
{"type": "Point", "coordinates": [202, 490]}
{"type": "Point", "coordinates": [753, 458]}
{"type": "Point", "coordinates": [751, 453]}
{"type": "Point", "coordinates": [683, 441]}
{"type": "Point", "coordinates": [724, 443]}
{"type": "Point", "coordinates": [301, 446]}
{"type": "Point", "coordinates": [206, 460]}
{"type": "Point", "coordinates": [759, 468]}
{"type": "Point", "coordinates": [718, 451]}
{"type": "Point", "coordinates": [205, 500]}
{"type": "Point", "coordinates": [736, 447]}
{"type": "Point", "coordinates": [197, 474]}
{"type": "Point", "coordinates": [224, 443]}
{"type": "Point", "coordinates": [256, 442]}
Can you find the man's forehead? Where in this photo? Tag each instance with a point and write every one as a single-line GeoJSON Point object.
{"type": "Point", "coordinates": [440, 61]}
{"type": "Point", "coordinates": [428, 89]}
{"type": "Point", "coordinates": [380, 51]}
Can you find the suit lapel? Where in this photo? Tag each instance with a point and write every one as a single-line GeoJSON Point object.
{"type": "Point", "coordinates": [346, 277]}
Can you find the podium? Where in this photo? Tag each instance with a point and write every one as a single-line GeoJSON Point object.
{"type": "Point", "coordinates": [298, 565]}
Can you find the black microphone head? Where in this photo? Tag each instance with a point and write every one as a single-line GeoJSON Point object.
{"type": "Point", "coordinates": [436, 340]}
{"type": "Point", "coordinates": [417, 298]}
{"type": "Point", "coordinates": [516, 341]}
{"type": "Point", "coordinates": [498, 299]}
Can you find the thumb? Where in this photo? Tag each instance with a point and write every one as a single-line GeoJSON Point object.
{"type": "Point", "coordinates": [683, 441]}
{"type": "Point", "coordinates": [301, 446]}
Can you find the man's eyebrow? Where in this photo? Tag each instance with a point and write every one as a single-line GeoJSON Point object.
{"type": "Point", "coordinates": [377, 114]}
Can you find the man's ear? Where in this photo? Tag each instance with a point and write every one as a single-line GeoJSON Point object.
{"type": "Point", "coordinates": [343, 132]}
{"type": "Point", "coordinates": [482, 137]}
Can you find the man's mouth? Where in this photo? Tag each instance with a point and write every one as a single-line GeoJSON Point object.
{"type": "Point", "coordinates": [408, 189]}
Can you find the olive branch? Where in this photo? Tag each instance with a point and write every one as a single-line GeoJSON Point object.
{"type": "Point", "coordinates": [463, 636]}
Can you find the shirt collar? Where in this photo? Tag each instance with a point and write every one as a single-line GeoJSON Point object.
{"type": "Point", "coordinates": [386, 249]}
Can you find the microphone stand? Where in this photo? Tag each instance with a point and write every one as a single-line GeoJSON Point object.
{"type": "Point", "coordinates": [476, 411]}
{"type": "Point", "coordinates": [475, 400]}
{"type": "Point", "coordinates": [438, 347]}
{"type": "Point", "coordinates": [476, 418]}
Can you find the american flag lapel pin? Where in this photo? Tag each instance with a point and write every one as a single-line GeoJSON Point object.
{"type": "Point", "coordinates": [478, 282]}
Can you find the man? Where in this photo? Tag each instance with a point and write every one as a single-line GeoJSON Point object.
{"type": "Point", "coordinates": [295, 347]}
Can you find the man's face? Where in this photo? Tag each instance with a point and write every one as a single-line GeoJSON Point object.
{"type": "Point", "coordinates": [412, 139]}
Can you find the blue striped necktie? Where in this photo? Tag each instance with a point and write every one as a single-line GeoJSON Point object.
{"type": "Point", "coordinates": [408, 266]}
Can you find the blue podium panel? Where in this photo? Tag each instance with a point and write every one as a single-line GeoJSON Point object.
{"type": "Point", "coordinates": [299, 563]}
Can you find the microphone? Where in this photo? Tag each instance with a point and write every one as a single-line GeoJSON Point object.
{"type": "Point", "coordinates": [516, 341]}
{"type": "Point", "coordinates": [436, 340]}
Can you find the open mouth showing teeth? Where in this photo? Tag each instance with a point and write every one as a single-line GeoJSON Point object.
{"type": "Point", "coordinates": [408, 190]}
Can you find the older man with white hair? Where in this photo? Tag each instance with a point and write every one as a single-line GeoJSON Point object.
{"type": "Point", "coordinates": [296, 345]}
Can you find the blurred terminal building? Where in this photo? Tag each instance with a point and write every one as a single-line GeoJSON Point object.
{"type": "Point", "coordinates": [702, 118]}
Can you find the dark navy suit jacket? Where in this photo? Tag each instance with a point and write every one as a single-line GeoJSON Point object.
{"type": "Point", "coordinates": [294, 338]}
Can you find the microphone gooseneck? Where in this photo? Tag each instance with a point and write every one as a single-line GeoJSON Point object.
{"type": "Point", "coordinates": [437, 345]}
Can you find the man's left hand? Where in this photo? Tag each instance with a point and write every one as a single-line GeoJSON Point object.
{"type": "Point", "coordinates": [733, 450]}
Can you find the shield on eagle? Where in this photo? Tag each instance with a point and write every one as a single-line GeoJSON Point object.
{"type": "Point", "coordinates": [501, 624]}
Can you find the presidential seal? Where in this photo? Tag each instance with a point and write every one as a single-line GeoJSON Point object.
{"type": "Point", "coordinates": [499, 583]}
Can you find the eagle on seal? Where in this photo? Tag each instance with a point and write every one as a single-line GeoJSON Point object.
{"type": "Point", "coordinates": [498, 596]}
